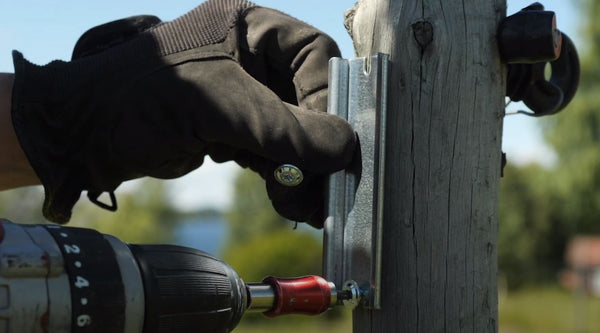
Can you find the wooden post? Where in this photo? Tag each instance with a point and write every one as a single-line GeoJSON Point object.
{"type": "Point", "coordinates": [445, 112]}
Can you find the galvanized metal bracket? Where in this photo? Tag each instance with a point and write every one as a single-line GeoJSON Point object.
{"type": "Point", "coordinates": [353, 229]}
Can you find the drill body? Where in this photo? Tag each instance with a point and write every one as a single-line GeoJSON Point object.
{"type": "Point", "coordinates": [56, 279]}
{"type": "Point", "coordinates": [60, 279]}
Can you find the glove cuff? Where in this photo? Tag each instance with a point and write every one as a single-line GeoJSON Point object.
{"type": "Point", "coordinates": [51, 131]}
{"type": "Point", "coordinates": [207, 24]}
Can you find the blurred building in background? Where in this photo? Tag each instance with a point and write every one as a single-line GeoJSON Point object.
{"type": "Point", "coordinates": [582, 256]}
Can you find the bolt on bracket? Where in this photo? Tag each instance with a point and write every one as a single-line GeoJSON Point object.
{"type": "Point", "coordinates": [353, 229]}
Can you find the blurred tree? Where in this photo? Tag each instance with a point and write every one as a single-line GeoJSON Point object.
{"type": "Point", "coordinates": [251, 213]}
{"type": "Point", "coordinates": [575, 135]}
{"type": "Point", "coordinates": [263, 243]}
{"type": "Point", "coordinates": [541, 209]}
{"type": "Point", "coordinates": [532, 232]}
{"type": "Point", "coordinates": [22, 205]}
{"type": "Point", "coordinates": [145, 215]}
{"type": "Point", "coordinates": [278, 253]}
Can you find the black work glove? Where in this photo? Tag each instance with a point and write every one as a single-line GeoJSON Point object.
{"type": "Point", "coordinates": [228, 79]}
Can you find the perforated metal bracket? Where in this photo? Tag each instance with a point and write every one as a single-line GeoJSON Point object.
{"type": "Point", "coordinates": [353, 229]}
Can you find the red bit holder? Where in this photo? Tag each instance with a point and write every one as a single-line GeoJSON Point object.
{"type": "Point", "coordinates": [308, 295]}
{"type": "Point", "coordinates": [304, 295]}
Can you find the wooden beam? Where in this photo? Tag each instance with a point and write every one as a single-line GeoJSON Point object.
{"type": "Point", "coordinates": [445, 112]}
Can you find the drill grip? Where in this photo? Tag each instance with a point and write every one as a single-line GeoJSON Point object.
{"type": "Point", "coordinates": [188, 290]}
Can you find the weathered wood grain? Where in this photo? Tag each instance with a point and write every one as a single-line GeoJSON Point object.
{"type": "Point", "coordinates": [446, 104]}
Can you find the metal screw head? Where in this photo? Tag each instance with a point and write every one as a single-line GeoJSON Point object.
{"type": "Point", "coordinates": [288, 175]}
{"type": "Point", "coordinates": [353, 294]}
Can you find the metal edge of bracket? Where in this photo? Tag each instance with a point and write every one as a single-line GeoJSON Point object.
{"type": "Point", "coordinates": [353, 229]}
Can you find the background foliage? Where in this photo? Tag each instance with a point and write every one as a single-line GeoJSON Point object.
{"type": "Point", "coordinates": [542, 207]}
{"type": "Point", "coordinates": [262, 243]}
{"type": "Point", "coordinates": [145, 215]}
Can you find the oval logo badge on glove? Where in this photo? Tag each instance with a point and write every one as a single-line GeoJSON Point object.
{"type": "Point", "coordinates": [288, 175]}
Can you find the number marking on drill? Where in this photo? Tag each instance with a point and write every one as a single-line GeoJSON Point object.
{"type": "Point", "coordinates": [80, 282]}
{"type": "Point", "coordinates": [80, 262]}
{"type": "Point", "coordinates": [84, 320]}
{"type": "Point", "coordinates": [72, 249]}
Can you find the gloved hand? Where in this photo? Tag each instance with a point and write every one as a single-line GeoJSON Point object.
{"type": "Point", "coordinates": [229, 79]}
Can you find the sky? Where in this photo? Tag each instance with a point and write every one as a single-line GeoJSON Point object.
{"type": "Point", "coordinates": [44, 30]}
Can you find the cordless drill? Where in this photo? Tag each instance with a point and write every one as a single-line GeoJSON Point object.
{"type": "Point", "coordinates": [71, 280]}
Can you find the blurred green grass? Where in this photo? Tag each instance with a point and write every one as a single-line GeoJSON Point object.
{"type": "Point", "coordinates": [543, 309]}
{"type": "Point", "coordinates": [337, 326]}
{"type": "Point", "coordinates": [548, 309]}
{"type": "Point", "coordinates": [338, 321]}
